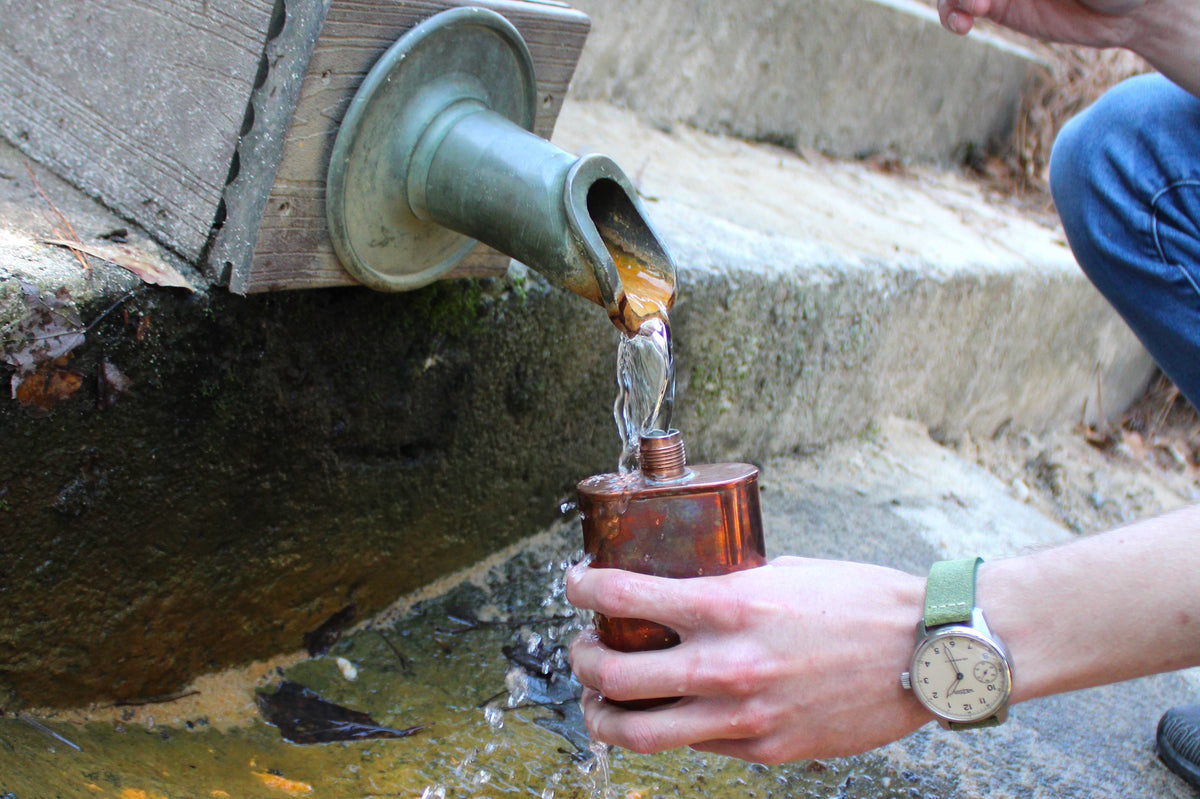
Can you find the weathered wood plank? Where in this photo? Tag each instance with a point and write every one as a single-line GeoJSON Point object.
{"type": "Point", "coordinates": [137, 102]}
{"type": "Point", "coordinates": [260, 148]}
{"type": "Point", "coordinates": [292, 248]}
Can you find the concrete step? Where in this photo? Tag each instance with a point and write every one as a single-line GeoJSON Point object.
{"type": "Point", "coordinates": [847, 78]}
{"type": "Point", "coordinates": [818, 293]}
{"type": "Point", "coordinates": [275, 457]}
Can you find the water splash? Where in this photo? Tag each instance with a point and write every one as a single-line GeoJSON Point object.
{"type": "Point", "coordinates": [596, 768]}
{"type": "Point", "coordinates": [645, 387]}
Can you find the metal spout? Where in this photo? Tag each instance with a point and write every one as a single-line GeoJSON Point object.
{"type": "Point", "coordinates": [435, 154]}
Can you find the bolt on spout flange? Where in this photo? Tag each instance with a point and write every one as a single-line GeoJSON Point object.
{"type": "Point", "coordinates": [435, 153]}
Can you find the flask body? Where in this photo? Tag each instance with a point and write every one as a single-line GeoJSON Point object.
{"type": "Point", "coordinates": [707, 523]}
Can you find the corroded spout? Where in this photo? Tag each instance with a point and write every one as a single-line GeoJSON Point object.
{"type": "Point", "coordinates": [435, 154]}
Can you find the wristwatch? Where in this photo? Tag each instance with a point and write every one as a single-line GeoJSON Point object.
{"type": "Point", "coordinates": [959, 671]}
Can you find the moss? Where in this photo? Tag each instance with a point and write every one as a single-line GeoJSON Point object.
{"type": "Point", "coordinates": [380, 441]}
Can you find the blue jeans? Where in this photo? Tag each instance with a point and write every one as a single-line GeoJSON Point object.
{"type": "Point", "coordinates": [1125, 175]}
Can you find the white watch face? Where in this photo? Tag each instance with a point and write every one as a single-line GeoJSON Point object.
{"type": "Point", "coordinates": [959, 676]}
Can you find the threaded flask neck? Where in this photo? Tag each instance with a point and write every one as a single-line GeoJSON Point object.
{"type": "Point", "coordinates": [661, 456]}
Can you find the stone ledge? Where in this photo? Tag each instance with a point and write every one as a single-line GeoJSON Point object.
{"type": "Point", "coordinates": [847, 78]}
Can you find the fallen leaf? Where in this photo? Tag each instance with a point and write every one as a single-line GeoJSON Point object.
{"type": "Point", "coordinates": [148, 266]}
{"type": "Point", "coordinates": [51, 384]}
{"type": "Point", "coordinates": [110, 384]}
{"type": "Point", "coordinates": [305, 718]}
{"type": "Point", "coordinates": [290, 787]}
{"type": "Point", "coordinates": [50, 329]}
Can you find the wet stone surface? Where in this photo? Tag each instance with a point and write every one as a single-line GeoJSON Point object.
{"type": "Point", "coordinates": [442, 665]}
{"type": "Point", "coordinates": [448, 658]}
{"type": "Point", "coordinates": [275, 459]}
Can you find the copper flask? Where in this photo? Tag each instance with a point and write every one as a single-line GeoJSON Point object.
{"type": "Point", "coordinates": [669, 520]}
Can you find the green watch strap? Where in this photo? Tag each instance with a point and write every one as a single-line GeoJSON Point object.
{"type": "Point", "coordinates": [990, 721]}
{"type": "Point", "coordinates": [950, 591]}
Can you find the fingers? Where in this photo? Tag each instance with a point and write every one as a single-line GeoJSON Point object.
{"type": "Point", "coordinates": [958, 16]}
{"type": "Point", "coordinates": [621, 594]}
{"type": "Point", "coordinates": [626, 676]}
{"type": "Point", "coordinates": [689, 721]}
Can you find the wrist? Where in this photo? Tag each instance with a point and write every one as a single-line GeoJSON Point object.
{"type": "Point", "coordinates": [998, 592]}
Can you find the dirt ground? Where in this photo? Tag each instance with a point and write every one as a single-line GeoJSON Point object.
{"type": "Point", "coordinates": [1095, 478]}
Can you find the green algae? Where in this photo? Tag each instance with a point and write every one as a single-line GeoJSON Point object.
{"type": "Point", "coordinates": [278, 457]}
{"type": "Point", "coordinates": [430, 667]}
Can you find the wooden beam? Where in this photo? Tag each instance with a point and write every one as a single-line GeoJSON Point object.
{"type": "Point", "coordinates": [139, 104]}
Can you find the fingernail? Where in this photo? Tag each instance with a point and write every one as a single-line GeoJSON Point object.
{"type": "Point", "coordinates": [575, 573]}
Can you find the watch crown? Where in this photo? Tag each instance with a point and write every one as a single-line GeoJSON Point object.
{"type": "Point", "coordinates": [905, 681]}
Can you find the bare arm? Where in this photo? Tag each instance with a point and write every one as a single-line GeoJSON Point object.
{"type": "Point", "coordinates": [1164, 32]}
{"type": "Point", "coordinates": [1104, 609]}
{"type": "Point", "coordinates": [801, 659]}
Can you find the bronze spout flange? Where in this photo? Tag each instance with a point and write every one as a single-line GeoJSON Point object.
{"type": "Point", "coordinates": [457, 63]}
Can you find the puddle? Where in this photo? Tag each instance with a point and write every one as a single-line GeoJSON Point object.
{"type": "Point", "coordinates": [438, 662]}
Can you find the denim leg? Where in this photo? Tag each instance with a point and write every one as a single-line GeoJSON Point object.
{"type": "Point", "coordinates": [1125, 175]}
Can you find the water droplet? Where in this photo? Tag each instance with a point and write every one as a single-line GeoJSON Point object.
{"type": "Point", "coordinates": [494, 716]}
{"type": "Point", "coordinates": [517, 683]}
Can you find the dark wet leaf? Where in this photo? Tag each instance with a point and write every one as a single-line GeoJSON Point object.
{"type": "Point", "coordinates": [110, 384]}
{"type": "Point", "coordinates": [567, 723]}
{"type": "Point", "coordinates": [545, 663]}
{"type": "Point", "coordinates": [50, 329]}
{"type": "Point", "coordinates": [550, 684]}
{"type": "Point", "coordinates": [318, 641]}
{"type": "Point", "coordinates": [303, 717]}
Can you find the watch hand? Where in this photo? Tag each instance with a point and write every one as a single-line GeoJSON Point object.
{"type": "Point", "coordinates": [958, 677]}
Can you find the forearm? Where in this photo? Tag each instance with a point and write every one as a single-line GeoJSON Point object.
{"type": "Point", "coordinates": [1110, 607]}
{"type": "Point", "coordinates": [1168, 37]}
{"type": "Point", "coordinates": [1164, 32]}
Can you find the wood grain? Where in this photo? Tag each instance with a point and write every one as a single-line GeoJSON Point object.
{"type": "Point", "coordinates": [137, 102]}
{"type": "Point", "coordinates": [292, 247]}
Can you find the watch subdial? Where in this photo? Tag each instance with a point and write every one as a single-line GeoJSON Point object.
{"type": "Point", "coordinates": [986, 672]}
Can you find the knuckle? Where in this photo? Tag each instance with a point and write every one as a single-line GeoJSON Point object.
{"type": "Point", "coordinates": [697, 676]}
{"type": "Point", "coordinates": [611, 677]}
{"type": "Point", "coordinates": [615, 596]}
{"type": "Point", "coordinates": [742, 676]}
{"type": "Point", "coordinates": [727, 608]}
{"type": "Point", "coordinates": [753, 721]}
{"type": "Point", "coordinates": [769, 752]}
{"type": "Point", "coordinates": [639, 736]}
